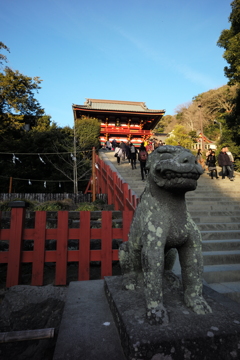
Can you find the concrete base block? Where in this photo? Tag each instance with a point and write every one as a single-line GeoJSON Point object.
{"type": "Point", "coordinates": [187, 336]}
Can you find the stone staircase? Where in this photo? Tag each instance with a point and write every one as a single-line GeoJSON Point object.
{"type": "Point", "coordinates": [215, 207]}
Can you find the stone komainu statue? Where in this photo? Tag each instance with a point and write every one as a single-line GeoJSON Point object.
{"type": "Point", "coordinates": [162, 224]}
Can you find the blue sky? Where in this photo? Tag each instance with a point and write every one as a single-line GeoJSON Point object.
{"type": "Point", "coordinates": [162, 52]}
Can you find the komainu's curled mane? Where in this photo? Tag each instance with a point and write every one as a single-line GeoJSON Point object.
{"type": "Point", "coordinates": [162, 224]}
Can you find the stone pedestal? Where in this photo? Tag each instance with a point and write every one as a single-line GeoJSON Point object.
{"type": "Point", "coordinates": [187, 336]}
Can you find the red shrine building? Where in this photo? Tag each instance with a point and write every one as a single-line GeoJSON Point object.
{"type": "Point", "coordinates": [120, 120]}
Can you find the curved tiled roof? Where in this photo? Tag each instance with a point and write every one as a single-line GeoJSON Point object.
{"type": "Point", "coordinates": [118, 105]}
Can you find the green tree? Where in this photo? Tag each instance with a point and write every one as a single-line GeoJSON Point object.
{"type": "Point", "coordinates": [26, 146]}
{"type": "Point", "coordinates": [193, 136]}
{"type": "Point", "coordinates": [17, 102]}
{"type": "Point", "coordinates": [230, 41]}
{"type": "Point", "coordinates": [3, 58]}
{"type": "Point", "coordinates": [54, 164]}
{"type": "Point", "coordinates": [87, 132]}
{"type": "Point", "coordinates": [75, 163]}
{"type": "Point", "coordinates": [42, 123]}
{"type": "Point", "coordinates": [179, 136]}
{"type": "Point", "coordinates": [61, 150]}
{"type": "Point", "coordinates": [18, 105]}
{"type": "Point", "coordinates": [216, 104]}
{"type": "Point", "coordinates": [166, 123]}
{"type": "Point", "coordinates": [233, 122]}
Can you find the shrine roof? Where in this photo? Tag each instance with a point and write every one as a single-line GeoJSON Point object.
{"type": "Point", "coordinates": [117, 105]}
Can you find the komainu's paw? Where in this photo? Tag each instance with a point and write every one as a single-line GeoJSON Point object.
{"type": "Point", "coordinates": [157, 315]}
{"type": "Point", "coordinates": [129, 281]}
{"type": "Point", "coordinates": [198, 304]}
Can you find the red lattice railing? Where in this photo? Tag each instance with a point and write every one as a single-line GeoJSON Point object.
{"type": "Point", "coordinates": [17, 234]}
{"type": "Point", "coordinates": [117, 191]}
{"type": "Point", "coordinates": [119, 195]}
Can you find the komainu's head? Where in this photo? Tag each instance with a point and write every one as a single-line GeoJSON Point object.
{"type": "Point", "coordinates": [173, 168]}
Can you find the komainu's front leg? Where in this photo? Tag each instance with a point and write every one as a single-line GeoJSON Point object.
{"type": "Point", "coordinates": [191, 261]}
{"type": "Point", "coordinates": [153, 266]}
{"type": "Point", "coordinates": [130, 262]}
{"type": "Point", "coordinates": [130, 254]}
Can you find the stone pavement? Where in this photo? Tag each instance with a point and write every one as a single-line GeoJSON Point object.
{"type": "Point", "coordinates": [215, 207]}
{"type": "Point", "coordinates": [87, 329]}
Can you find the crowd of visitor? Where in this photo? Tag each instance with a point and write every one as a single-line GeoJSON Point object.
{"type": "Point", "coordinates": [225, 160]}
{"type": "Point", "coordinates": [127, 151]}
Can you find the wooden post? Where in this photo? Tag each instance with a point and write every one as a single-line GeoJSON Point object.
{"type": "Point", "coordinates": [106, 240]}
{"type": "Point", "coordinates": [26, 335]}
{"type": "Point", "coordinates": [62, 248]}
{"type": "Point", "coordinates": [84, 246]}
{"type": "Point", "coordinates": [125, 195]}
{"type": "Point", "coordinates": [115, 202]}
{"type": "Point", "coordinates": [109, 185]}
{"type": "Point", "coordinates": [15, 242]}
{"type": "Point", "coordinates": [10, 185]}
{"type": "Point", "coordinates": [39, 248]}
{"type": "Point", "coordinates": [93, 175]}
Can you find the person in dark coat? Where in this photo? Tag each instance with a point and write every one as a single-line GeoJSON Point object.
{"type": "Point", "coordinates": [114, 144]}
{"type": "Point", "coordinates": [211, 163]}
{"type": "Point", "coordinates": [133, 155]}
{"type": "Point", "coordinates": [127, 151]}
{"type": "Point", "coordinates": [225, 163]}
{"type": "Point", "coordinates": [142, 157]}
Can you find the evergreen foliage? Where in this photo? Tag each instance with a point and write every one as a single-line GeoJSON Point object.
{"type": "Point", "coordinates": [87, 132]}
{"type": "Point", "coordinates": [179, 136]}
{"type": "Point", "coordinates": [230, 41]}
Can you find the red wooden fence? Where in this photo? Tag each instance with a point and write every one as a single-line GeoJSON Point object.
{"type": "Point", "coordinates": [118, 194]}
{"type": "Point", "coordinates": [62, 255]}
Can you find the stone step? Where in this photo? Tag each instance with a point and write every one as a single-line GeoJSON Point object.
{"type": "Point", "coordinates": [215, 219]}
{"type": "Point", "coordinates": [228, 206]}
{"type": "Point", "coordinates": [218, 245]}
{"type": "Point", "coordinates": [199, 201]}
{"type": "Point", "coordinates": [220, 234]}
{"type": "Point", "coordinates": [131, 179]}
{"type": "Point", "coordinates": [219, 226]}
{"type": "Point", "coordinates": [202, 213]}
{"type": "Point", "coordinates": [221, 190]}
{"type": "Point", "coordinates": [226, 287]}
{"type": "Point", "coordinates": [208, 197]}
{"type": "Point", "coordinates": [221, 273]}
{"type": "Point", "coordinates": [221, 257]}
{"type": "Point", "coordinates": [206, 180]}
{"type": "Point", "coordinates": [217, 194]}
{"type": "Point", "coordinates": [230, 289]}
{"type": "Point", "coordinates": [211, 197]}
{"type": "Point", "coordinates": [137, 184]}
